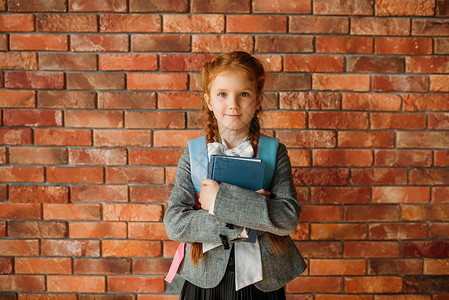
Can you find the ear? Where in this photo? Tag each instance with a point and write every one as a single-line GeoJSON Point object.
{"type": "Point", "coordinates": [259, 101]}
{"type": "Point", "coordinates": [207, 99]}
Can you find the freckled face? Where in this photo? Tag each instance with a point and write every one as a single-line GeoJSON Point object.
{"type": "Point", "coordinates": [233, 100]}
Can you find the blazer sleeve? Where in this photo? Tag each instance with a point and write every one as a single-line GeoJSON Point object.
{"type": "Point", "coordinates": [279, 214]}
{"type": "Point", "coordinates": [185, 224]}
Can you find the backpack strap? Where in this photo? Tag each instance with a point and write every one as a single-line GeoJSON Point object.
{"type": "Point", "coordinates": [199, 161]}
{"type": "Point", "coordinates": [267, 151]}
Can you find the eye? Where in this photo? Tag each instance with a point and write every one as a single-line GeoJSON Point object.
{"type": "Point", "coordinates": [244, 94]}
{"type": "Point", "coordinates": [222, 94]}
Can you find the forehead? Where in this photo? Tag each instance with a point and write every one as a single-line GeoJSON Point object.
{"type": "Point", "coordinates": [232, 79]}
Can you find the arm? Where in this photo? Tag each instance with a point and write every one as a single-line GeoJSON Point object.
{"type": "Point", "coordinates": [279, 214]}
{"type": "Point", "coordinates": [185, 224]}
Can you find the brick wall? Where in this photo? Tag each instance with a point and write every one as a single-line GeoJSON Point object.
{"type": "Point", "coordinates": [98, 99]}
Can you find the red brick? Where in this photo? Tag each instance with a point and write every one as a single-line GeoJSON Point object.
{"type": "Point", "coordinates": [223, 6]}
{"type": "Point", "coordinates": [256, 24]}
{"type": "Point", "coordinates": [125, 175]}
{"type": "Point", "coordinates": [334, 120]}
{"type": "Point", "coordinates": [157, 81]}
{"type": "Point", "coordinates": [147, 231]}
{"type": "Point", "coordinates": [75, 174]}
{"type": "Point", "coordinates": [438, 231]}
{"type": "Point", "coordinates": [320, 249]}
{"type": "Point", "coordinates": [441, 158]}
{"type": "Point", "coordinates": [408, 8]}
{"type": "Point", "coordinates": [102, 266]}
{"type": "Point", "coordinates": [340, 195]}
{"type": "Point", "coordinates": [441, 45]}
{"type": "Point", "coordinates": [154, 157]}
{"type": "Point", "coordinates": [11, 98]}
{"type": "Point", "coordinates": [379, 176]}
{"type": "Point", "coordinates": [439, 83]}
{"type": "Point", "coordinates": [318, 24]}
{"type": "Point", "coordinates": [313, 63]}
{"type": "Point", "coordinates": [441, 10]}
{"type": "Point", "coordinates": [435, 249]}
{"type": "Point", "coordinates": [341, 82]}
{"type": "Point", "coordinates": [175, 138]}
{"type": "Point", "coordinates": [3, 197]}
{"type": "Point", "coordinates": [371, 102]}
{"type": "Point", "coordinates": [21, 174]}
{"type": "Point", "coordinates": [132, 212]}
{"type": "Point", "coordinates": [341, 297]}
{"type": "Point", "coordinates": [145, 194]}
{"type": "Point", "coordinates": [152, 119]}
{"type": "Point", "coordinates": [151, 266]}
{"type": "Point", "coordinates": [319, 284]}
{"type": "Point", "coordinates": [36, 41]}
{"type": "Point", "coordinates": [79, 284]}
{"type": "Point", "coordinates": [403, 158]}
{"type": "Point", "coordinates": [397, 231]}
{"type": "Point", "coordinates": [98, 193]}
{"type": "Point", "coordinates": [97, 156]}
{"type": "Point", "coordinates": [96, 81]}
{"type": "Point", "coordinates": [103, 6]}
{"type": "Point", "coordinates": [204, 23]}
{"type": "Point", "coordinates": [136, 284]}
{"type": "Point", "coordinates": [95, 119]}
{"type": "Point", "coordinates": [390, 266]}
{"type": "Point", "coordinates": [435, 140]}
{"type": "Point", "coordinates": [133, 62]}
{"type": "Point", "coordinates": [15, 136]}
{"type": "Point", "coordinates": [284, 44]}
{"type": "Point", "coordinates": [365, 213]}
{"type": "Point", "coordinates": [284, 119]}
{"type": "Point", "coordinates": [288, 81]}
{"type": "Point", "coordinates": [16, 22]}
{"type": "Point", "coordinates": [38, 5]}
{"type": "Point", "coordinates": [338, 44]}
{"type": "Point", "coordinates": [411, 121]}
{"type": "Point", "coordinates": [221, 43]}
{"type": "Point", "coordinates": [342, 157]}
{"type": "Point", "coordinates": [37, 155]}
{"type": "Point", "coordinates": [271, 63]}
{"type": "Point", "coordinates": [427, 64]}
{"type": "Point", "coordinates": [67, 61]}
{"type": "Point", "coordinates": [18, 61]}
{"type": "Point", "coordinates": [160, 42]}
{"type": "Point", "coordinates": [438, 121]}
{"type": "Point", "coordinates": [179, 100]}
{"type": "Point", "coordinates": [158, 6]}
{"type": "Point", "coordinates": [3, 155]}
{"type": "Point", "coordinates": [440, 194]}
{"type": "Point", "coordinates": [369, 64]}
{"type": "Point", "coordinates": [282, 6]}
{"type": "Point", "coordinates": [25, 283]}
{"type": "Point", "coordinates": [183, 62]}
{"type": "Point", "coordinates": [63, 137]}
{"type": "Point", "coordinates": [126, 100]}
{"type": "Point", "coordinates": [423, 213]}
{"type": "Point", "coordinates": [321, 213]}
{"type": "Point", "coordinates": [41, 265]}
{"type": "Point", "coordinates": [6, 265]}
{"type": "Point", "coordinates": [99, 43]}
{"type": "Point", "coordinates": [403, 45]}
{"type": "Point", "coordinates": [428, 176]}
{"type": "Point", "coordinates": [299, 158]}
{"type": "Point", "coordinates": [38, 194]}
{"type": "Point", "coordinates": [315, 176]}
{"type": "Point", "coordinates": [380, 26]}
{"type": "Point", "coordinates": [376, 284]}
{"type": "Point", "coordinates": [70, 248]}
{"type": "Point", "coordinates": [370, 249]}
{"type": "Point", "coordinates": [436, 266]}
{"type": "Point", "coordinates": [78, 211]}
{"type": "Point", "coordinates": [309, 100]}
{"type": "Point", "coordinates": [111, 248]}
{"type": "Point", "coordinates": [400, 83]}
{"type": "Point", "coordinates": [97, 230]}
{"type": "Point", "coordinates": [24, 211]}
{"type": "Point", "coordinates": [337, 267]}
{"type": "Point", "coordinates": [19, 247]}
{"type": "Point", "coordinates": [66, 99]}
{"type": "Point", "coordinates": [34, 80]}
{"type": "Point", "coordinates": [130, 23]}
{"type": "Point", "coordinates": [35, 118]}
{"type": "Point", "coordinates": [123, 138]}
{"type": "Point", "coordinates": [66, 22]}
{"type": "Point", "coordinates": [338, 232]}
{"type": "Point", "coordinates": [335, 7]}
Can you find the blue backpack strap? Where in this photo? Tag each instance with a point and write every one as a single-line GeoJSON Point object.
{"type": "Point", "coordinates": [267, 151]}
{"type": "Point", "coordinates": [199, 161]}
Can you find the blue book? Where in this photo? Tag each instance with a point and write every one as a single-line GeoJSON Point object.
{"type": "Point", "coordinates": [244, 172]}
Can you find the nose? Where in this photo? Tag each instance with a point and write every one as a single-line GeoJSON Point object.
{"type": "Point", "coordinates": [233, 102]}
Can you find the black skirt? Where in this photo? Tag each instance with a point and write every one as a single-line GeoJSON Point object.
{"type": "Point", "coordinates": [225, 290]}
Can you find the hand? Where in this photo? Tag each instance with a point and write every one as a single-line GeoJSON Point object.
{"type": "Point", "coordinates": [208, 193]}
{"type": "Point", "coordinates": [264, 192]}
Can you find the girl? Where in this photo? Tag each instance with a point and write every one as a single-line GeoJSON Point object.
{"type": "Point", "coordinates": [232, 88]}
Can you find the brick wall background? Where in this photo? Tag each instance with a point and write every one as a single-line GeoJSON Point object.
{"type": "Point", "coordinates": [98, 99]}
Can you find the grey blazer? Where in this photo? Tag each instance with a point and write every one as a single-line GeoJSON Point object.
{"type": "Point", "coordinates": [242, 208]}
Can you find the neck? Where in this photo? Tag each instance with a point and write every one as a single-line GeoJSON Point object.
{"type": "Point", "coordinates": [233, 139]}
